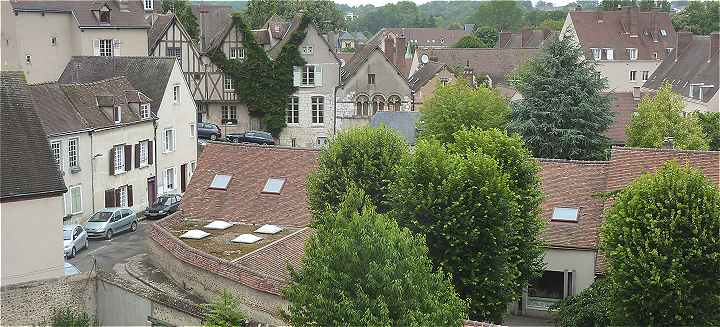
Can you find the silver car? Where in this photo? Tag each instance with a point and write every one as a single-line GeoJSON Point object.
{"type": "Point", "coordinates": [74, 239]}
{"type": "Point", "coordinates": [110, 221]}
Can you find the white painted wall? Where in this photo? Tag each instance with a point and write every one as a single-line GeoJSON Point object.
{"type": "Point", "coordinates": [82, 178]}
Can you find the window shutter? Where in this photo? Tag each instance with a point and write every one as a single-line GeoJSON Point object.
{"type": "Point", "coordinates": [296, 75]}
{"type": "Point", "coordinates": [111, 160]}
{"type": "Point", "coordinates": [130, 195]}
{"type": "Point", "coordinates": [151, 154]}
{"type": "Point", "coordinates": [137, 155]}
{"type": "Point", "coordinates": [318, 75]}
{"type": "Point", "coordinates": [116, 47]}
{"type": "Point", "coordinates": [109, 198]}
{"type": "Point", "coordinates": [116, 202]}
{"type": "Point", "coordinates": [96, 47]}
{"type": "Point", "coordinates": [67, 199]}
{"type": "Point", "coordinates": [115, 114]}
{"type": "Point", "coordinates": [128, 157]}
{"type": "Point", "coordinates": [610, 54]}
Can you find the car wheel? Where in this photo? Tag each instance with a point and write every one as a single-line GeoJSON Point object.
{"type": "Point", "coordinates": [213, 137]}
{"type": "Point", "coordinates": [133, 226]}
{"type": "Point", "coordinates": [236, 140]}
{"type": "Point", "coordinates": [109, 234]}
{"type": "Point", "coordinates": [87, 244]}
{"type": "Point", "coordinates": [73, 252]}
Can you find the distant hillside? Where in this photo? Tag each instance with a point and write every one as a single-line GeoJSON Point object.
{"type": "Point", "coordinates": [237, 5]}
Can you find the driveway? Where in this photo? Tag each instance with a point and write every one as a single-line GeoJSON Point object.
{"type": "Point", "coordinates": [109, 252]}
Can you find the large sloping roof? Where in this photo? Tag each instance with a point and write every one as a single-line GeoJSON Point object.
{"type": "Point", "coordinates": [361, 57]}
{"type": "Point", "coordinates": [627, 28]}
{"type": "Point", "coordinates": [113, 92]}
{"type": "Point", "coordinates": [127, 14]}
{"type": "Point", "coordinates": [214, 22]}
{"type": "Point", "coordinates": [423, 36]}
{"type": "Point", "coordinates": [56, 112]}
{"type": "Point", "coordinates": [273, 260]}
{"type": "Point", "coordinates": [149, 75]}
{"type": "Point", "coordinates": [403, 122]}
{"type": "Point", "coordinates": [160, 24]}
{"type": "Point", "coordinates": [27, 167]}
{"type": "Point", "coordinates": [496, 63]}
{"type": "Point", "coordinates": [695, 64]}
{"type": "Point", "coordinates": [250, 168]}
{"type": "Point", "coordinates": [533, 39]}
{"type": "Point", "coordinates": [425, 74]}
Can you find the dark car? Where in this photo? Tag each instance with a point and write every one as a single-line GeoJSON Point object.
{"type": "Point", "coordinates": [208, 131]}
{"type": "Point", "coordinates": [163, 206]}
{"type": "Point", "coordinates": [257, 137]}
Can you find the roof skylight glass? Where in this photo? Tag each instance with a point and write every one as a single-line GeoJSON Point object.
{"type": "Point", "coordinates": [274, 185]}
{"type": "Point", "coordinates": [218, 224]}
{"type": "Point", "coordinates": [194, 234]}
{"type": "Point", "coordinates": [565, 214]}
{"type": "Point", "coordinates": [220, 182]}
{"type": "Point", "coordinates": [246, 238]}
{"type": "Point", "coordinates": [268, 229]}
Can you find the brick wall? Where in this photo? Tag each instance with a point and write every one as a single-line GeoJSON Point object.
{"type": "Point", "coordinates": [33, 302]}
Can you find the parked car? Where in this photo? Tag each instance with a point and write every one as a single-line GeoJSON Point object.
{"type": "Point", "coordinates": [208, 131]}
{"type": "Point", "coordinates": [163, 206]}
{"type": "Point", "coordinates": [70, 269]}
{"type": "Point", "coordinates": [109, 221]}
{"type": "Point", "coordinates": [257, 137]}
{"type": "Point", "coordinates": [74, 239]}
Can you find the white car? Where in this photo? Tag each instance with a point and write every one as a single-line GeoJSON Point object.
{"type": "Point", "coordinates": [74, 239]}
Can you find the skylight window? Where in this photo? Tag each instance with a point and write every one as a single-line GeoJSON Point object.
{"type": "Point", "coordinates": [218, 224]}
{"type": "Point", "coordinates": [246, 238]}
{"type": "Point", "coordinates": [274, 185]}
{"type": "Point", "coordinates": [195, 234]}
{"type": "Point", "coordinates": [268, 229]}
{"type": "Point", "coordinates": [565, 214]}
{"type": "Point", "coordinates": [220, 182]}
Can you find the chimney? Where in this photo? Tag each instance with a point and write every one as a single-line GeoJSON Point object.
{"type": "Point", "coordinates": [625, 18]}
{"type": "Point", "coordinates": [503, 39]}
{"type": "Point", "coordinates": [634, 21]}
{"type": "Point", "coordinates": [400, 48]}
{"type": "Point", "coordinates": [600, 17]}
{"type": "Point", "coordinates": [578, 7]}
{"type": "Point", "coordinates": [525, 34]}
{"type": "Point", "coordinates": [468, 74]}
{"type": "Point", "coordinates": [714, 44]}
{"type": "Point", "coordinates": [389, 48]}
{"type": "Point", "coordinates": [203, 30]}
{"type": "Point", "coordinates": [668, 142]}
{"type": "Point", "coordinates": [683, 41]}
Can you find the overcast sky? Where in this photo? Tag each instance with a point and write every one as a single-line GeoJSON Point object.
{"type": "Point", "coordinates": [382, 2]}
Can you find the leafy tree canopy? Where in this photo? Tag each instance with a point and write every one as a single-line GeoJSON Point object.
{"type": "Point", "coordinates": [699, 17]}
{"type": "Point", "coordinates": [592, 307]}
{"type": "Point", "coordinates": [644, 5]}
{"type": "Point", "coordinates": [401, 14]}
{"type": "Point", "coordinates": [364, 270]}
{"type": "Point", "coordinates": [322, 13]}
{"type": "Point", "coordinates": [663, 249]}
{"type": "Point", "coordinates": [502, 15]}
{"type": "Point", "coordinates": [488, 35]}
{"type": "Point", "coordinates": [469, 41]}
{"type": "Point", "coordinates": [710, 122]}
{"type": "Point", "coordinates": [365, 157]}
{"type": "Point", "coordinates": [224, 311]}
{"type": "Point", "coordinates": [660, 117]}
{"type": "Point", "coordinates": [563, 113]}
{"type": "Point", "coordinates": [182, 10]}
{"type": "Point", "coordinates": [458, 106]}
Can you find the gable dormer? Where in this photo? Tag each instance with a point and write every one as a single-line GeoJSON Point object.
{"type": "Point", "coordinates": [102, 14]}
{"type": "Point", "coordinates": [108, 106]}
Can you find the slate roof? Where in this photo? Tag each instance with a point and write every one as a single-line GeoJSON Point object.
{"type": "Point", "coordinates": [132, 15]}
{"type": "Point", "coordinates": [294, 24]}
{"type": "Point", "coordinates": [615, 29]}
{"type": "Point", "coordinates": [83, 97]}
{"type": "Point", "coordinates": [160, 24]}
{"type": "Point", "coordinates": [27, 167]}
{"type": "Point", "coordinates": [424, 36]}
{"type": "Point", "coordinates": [403, 122]}
{"type": "Point", "coordinates": [56, 112]}
{"type": "Point", "coordinates": [213, 24]}
{"type": "Point", "coordinates": [496, 63]}
{"type": "Point", "coordinates": [149, 75]}
{"type": "Point", "coordinates": [273, 259]}
{"type": "Point", "coordinates": [534, 39]}
{"type": "Point", "coordinates": [694, 64]}
{"type": "Point", "coordinates": [424, 74]}
{"type": "Point", "coordinates": [361, 56]}
{"type": "Point", "coordinates": [250, 167]}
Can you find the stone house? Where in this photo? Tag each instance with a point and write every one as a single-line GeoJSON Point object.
{"type": "Point", "coordinates": [102, 136]}
{"type": "Point", "coordinates": [162, 80]}
{"type": "Point", "coordinates": [693, 71]}
{"type": "Point", "coordinates": [628, 45]}
{"type": "Point", "coordinates": [31, 189]}
{"type": "Point", "coordinates": [40, 37]}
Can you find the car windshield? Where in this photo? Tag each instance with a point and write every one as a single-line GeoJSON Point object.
{"type": "Point", "coordinates": [100, 217]}
{"type": "Point", "coordinates": [165, 201]}
{"type": "Point", "coordinates": [67, 235]}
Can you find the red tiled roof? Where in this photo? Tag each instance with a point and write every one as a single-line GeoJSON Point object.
{"type": "Point", "coordinates": [250, 167]}
{"type": "Point", "coordinates": [573, 184]}
{"type": "Point", "coordinates": [623, 107]}
{"type": "Point", "coordinates": [272, 260]}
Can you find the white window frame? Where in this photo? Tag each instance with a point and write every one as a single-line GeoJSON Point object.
{"type": "Point", "coordinates": [663, 32]}
{"type": "Point", "coordinates": [144, 153]}
{"type": "Point", "coordinates": [596, 53]}
{"type": "Point", "coordinates": [632, 53]}
{"type": "Point", "coordinates": [170, 182]}
{"type": "Point", "coordinates": [307, 50]}
{"type": "Point", "coordinates": [170, 143]}
{"type": "Point", "coordinates": [305, 77]}
{"type": "Point", "coordinates": [292, 113]}
{"type": "Point", "coordinates": [145, 111]}
{"type": "Point", "coordinates": [106, 47]}
{"type": "Point", "coordinates": [609, 54]}
{"type": "Point", "coordinates": [119, 160]}
{"type": "Point", "coordinates": [56, 150]}
{"type": "Point", "coordinates": [228, 113]}
{"type": "Point", "coordinates": [118, 114]}
{"type": "Point", "coordinates": [192, 168]}
{"type": "Point", "coordinates": [192, 129]}
{"type": "Point", "coordinates": [237, 53]}
{"type": "Point", "coordinates": [148, 4]}
{"type": "Point", "coordinates": [633, 75]}
{"type": "Point", "coordinates": [73, 152]}
{"type": "Point", "coordinates": [317, 107]}
{"type": "Point", "coordinates": [176, 93]}
{"type": "Point", "coordinates": [70, 195]}
{"type": "Point", "coordinates": [228, 83]}
{"type": "Point", "coordinates": [123, 198]}
{"type": "Point", "coordinates": [645, 75]}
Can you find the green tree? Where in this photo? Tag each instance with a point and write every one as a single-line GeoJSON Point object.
{"type": "Point", "coordinates": [322, 13]}
{"type": "Point", "coordinates": [364, 270]}
{"type": "Point", "coordinates": [365, 157]}
{"type": "Point", "coordinates": [563, 113]}
{"type": "Point", "coordinates": [488, 35]}
{"type": "Point", "coordinates": [661, 117]}
{"type": "Point", "coordinates": [458, 106]}
{"type": "Point", "coordinates": [699, 17]}
{"type": "Point", "coordinates": [663, 249]}
{"type": "Point", "coordinates": [710, 122]}
{"type": "Point", "coordinates": [68, 318]}
{"type": "Point", "coordinates": [502, 15]}
{"type": "Point", "coordinates": [591, 308]}
{"type": "Point", "coordinates": [183, 11]}
{"type": "Point", "coordinates": [223, 312]}
{"type": "Point", "coordinates": [464, 203]}
{"type": "Point", "coordinates": [469, 41]}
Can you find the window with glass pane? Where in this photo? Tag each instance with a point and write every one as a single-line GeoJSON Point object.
{"type": "Point", "coordinates": [119, 159]}
{"type": "Point", "coordinates": [143, 153]}
{"type": "Point", "coordinates": [565, 214]}
{"type": "Point", "coordinates": [318, 110]}
{"type": "Point", "coordinates": [170, 179]}
{"type": "Point", "coordinates": [293, 110]}
{"type": "Point", "coordinates": [362, 105]}
{"type": "Point", "coordinates": [145, 111]}
{"type": "Point", "coordinates": [169, 140]}
{"type": "Point", "coordinates": [228, 83]}
{"type": "Point", "coordinates": [308, 75]}
{"type": "Point", "coordinates": [123, 196]}
{"type": "Point", "coordinates": [174, 52]}
{"type": "Point", "coordinates": [274, 185]}
{"type": "Point", "coordinates": [394, 103]}
{"type": "Point", "coordinates": [548, 289]}
{"type": "Point", "coordinates": [75, 200]}
{"type": "Point", "coordinates": [55, 149]}
{"type": "Point", "coordinates": [378, 103]}
{"type": "Point", "coordinates": [73, 152]}
{"type": "Point", "coordinates": [106, 48]}
{"type": "Point", "coordinates": [220, 182]}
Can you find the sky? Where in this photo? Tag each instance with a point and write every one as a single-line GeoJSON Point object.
{"type": "Point", "coordinates": [378, 3]}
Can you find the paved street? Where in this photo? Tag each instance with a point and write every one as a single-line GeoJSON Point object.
{"type": "Point", "coordinates": [109, 252]}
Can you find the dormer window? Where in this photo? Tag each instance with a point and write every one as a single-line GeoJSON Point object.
{"type": "Point", "coordinates": [105, 15]}
{"type": "Point", "coordinates": [117, 114]}
{"type": "Point", "coordinates": [148, 4]}
{"type": "Point", "coordinates": [632, 53]}
{"type": "Point", "coordinates": [145, 111]}
{"type": "Point", "coordinates": [663, 32]}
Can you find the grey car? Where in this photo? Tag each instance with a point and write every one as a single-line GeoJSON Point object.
{"type": "Point", "coordinates": [110, 221]}
{"type": "Point", "coordinates": [74, 239]}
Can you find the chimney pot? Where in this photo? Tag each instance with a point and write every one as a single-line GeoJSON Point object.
{"type": "Point", "coordinates": [390, 48]}
{"type": "Point", "coordinates": [668, 142]}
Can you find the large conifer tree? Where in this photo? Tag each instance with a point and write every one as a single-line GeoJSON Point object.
{"type": "Point", "coordinates": [563, 113]}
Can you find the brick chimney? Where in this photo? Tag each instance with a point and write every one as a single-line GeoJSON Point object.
{"type": "Point", "coordinates": [468, 74]}
{"type": "Point", "coordinates": [714, 44]}
{"type": "Point", "coordinates": [503, 39]}
{"type": "Point", "coordinates": [400, 48]}
{"type": "Point", "coordinates": [683, 40]}
{"type": "Point", "coordinates": [525, 34]}
{"type": "Point", "coordinates": [203, 29]}
{"type": "Point", "coordinates": [389, 47]}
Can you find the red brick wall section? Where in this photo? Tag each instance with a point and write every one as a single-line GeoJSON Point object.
{"type": "Point", "coordinates": [210, 263]}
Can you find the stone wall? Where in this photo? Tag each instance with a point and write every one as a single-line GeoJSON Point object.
{"type": "Point", "coordinates": [33, 302]}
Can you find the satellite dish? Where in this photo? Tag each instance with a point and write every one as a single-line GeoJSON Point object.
{"type": "Point", "coordinates": [424, 59]}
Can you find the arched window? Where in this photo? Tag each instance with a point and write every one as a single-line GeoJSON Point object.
{"type": "Point", "coordinates": [378, 103]}
{"type": "Point", "coordinates": [361, 105]}
{"type": "Point", "coordinates": [394, 103]}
